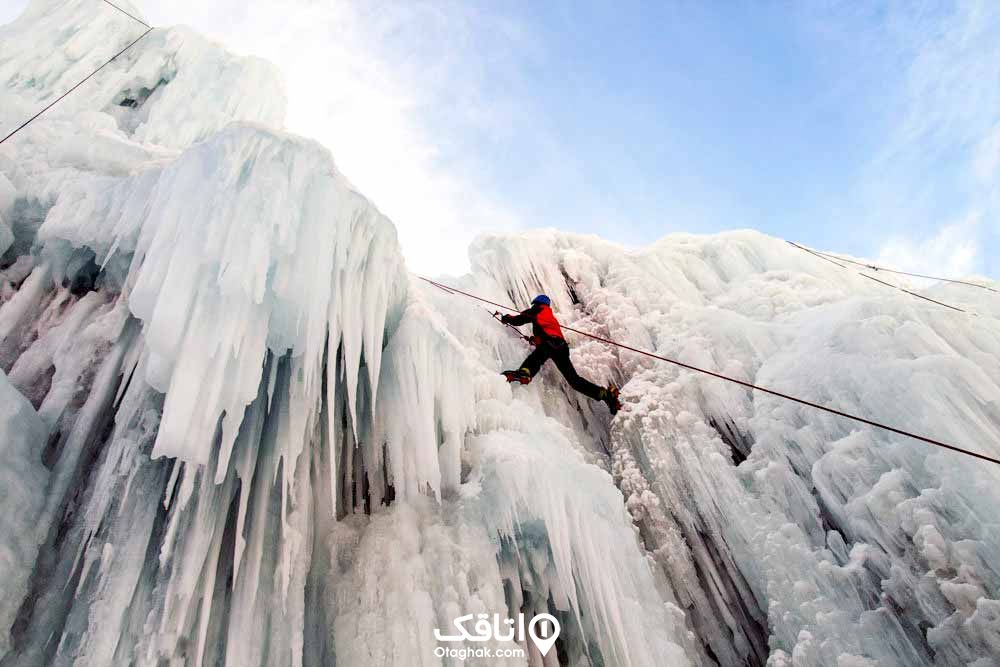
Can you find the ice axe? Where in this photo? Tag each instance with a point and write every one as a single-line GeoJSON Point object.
{"type": "Point", "coordinates": [496, 315]}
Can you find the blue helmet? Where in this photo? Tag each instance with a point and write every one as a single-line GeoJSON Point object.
{"type": "Point", "coordinates": [542, 299]}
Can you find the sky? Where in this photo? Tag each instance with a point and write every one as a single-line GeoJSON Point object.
{"type": "Point", "coordinates": [869, 128]}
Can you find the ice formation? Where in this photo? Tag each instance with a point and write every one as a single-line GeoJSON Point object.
{"type": "Point", "coordinates": [236, 431]}
{"type": "Point", "coordinates": [788, 535]}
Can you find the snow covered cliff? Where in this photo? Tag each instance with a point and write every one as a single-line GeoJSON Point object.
{"type": "Point", "coordinates": [236, 431]}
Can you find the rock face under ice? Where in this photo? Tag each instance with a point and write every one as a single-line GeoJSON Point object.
{"type": "Point", "coordinates": [252, 439]}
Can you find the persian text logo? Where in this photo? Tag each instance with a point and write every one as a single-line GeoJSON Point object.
{"type": "Point", "coordinates": [543, 629]}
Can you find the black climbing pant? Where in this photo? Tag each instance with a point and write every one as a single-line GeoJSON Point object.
{"type": "Point", "coordinates": [558, 352]}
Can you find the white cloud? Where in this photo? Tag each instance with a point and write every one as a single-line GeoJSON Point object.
{"type": "Point", "coordinates": [941, 162]}
{"type": "Point", "coordinates": [987, 161]}
{"type": "Point", "coordinates": [11, 9]}
{"type": "Point", "coordinates": [394, 90]}
{"type": "Point", "coordinates": [952, 252]}
{"type": "Point", "coordinates": [953, 96]}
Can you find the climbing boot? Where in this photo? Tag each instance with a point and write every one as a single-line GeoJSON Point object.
{"type": "Point", "coordinates": [522, 375]}
{"type": "Point", "coordinates": [610, 398]}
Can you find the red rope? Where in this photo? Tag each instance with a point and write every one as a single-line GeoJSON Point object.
{"type": "Point", "coordinates": [83, 81]}
{"type": "Point", "coordinates": [831, 258]}
{"type": "Point", "coordinates": [748, 385]}
{"type": "Point", "coordinates": [134, 18]}
{"type": "Point", "coordinates": [875, 267]}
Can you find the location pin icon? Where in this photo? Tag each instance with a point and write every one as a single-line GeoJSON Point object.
{"type": "Point", "coordinates": [547, 621]}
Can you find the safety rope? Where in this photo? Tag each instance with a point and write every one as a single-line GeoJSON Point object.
{"type": "Point", "coordinates": [875, 267]}
{"type": "Point", "coordinates": [59, 99]}
{"type": "Point", "coordinates": [452, 290]}
{"type": "Point", "coordinates": [743, 383]}
{"type": "Point", "coordinates": [832, 259]}
{"type": "Point", "coordinates": [107, 2]}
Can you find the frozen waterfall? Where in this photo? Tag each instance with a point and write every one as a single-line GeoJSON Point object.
{"type": "Point", "coordinates": [236, 431]}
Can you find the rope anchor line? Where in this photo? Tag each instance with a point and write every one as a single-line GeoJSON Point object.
{"type": "Point", "coordinates": [743, 383]}
{"type": "Point", "coordinates": [134, 18]}
{"type": "Point", "coordinates": [59, 99]}
{"type": "Point", "coordinates": [748, 385]}
{"type": "Point", "coordinates": [875, 267]}
{"type": "Point", "coordinates": [835, 259]}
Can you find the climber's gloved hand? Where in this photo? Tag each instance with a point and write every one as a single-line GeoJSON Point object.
{"type": "Point", "coordinates": [506, 319]}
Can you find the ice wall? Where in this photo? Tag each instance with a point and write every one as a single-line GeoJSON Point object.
{"type": "Point", "coordinates": [256, 442]}
{"type": "Point", "coordinates": [790, 536]}
{"type": "Point", "coordinates": [238, 432]}
{"type": "Point", "coordinates": [176, 89]}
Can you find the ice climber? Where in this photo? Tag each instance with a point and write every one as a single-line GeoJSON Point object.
{"type": "Point", "coordinates": [550, 344]}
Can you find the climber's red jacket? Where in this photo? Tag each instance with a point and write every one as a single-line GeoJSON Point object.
{"type": "Point", "coordinates": [545, 326]}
